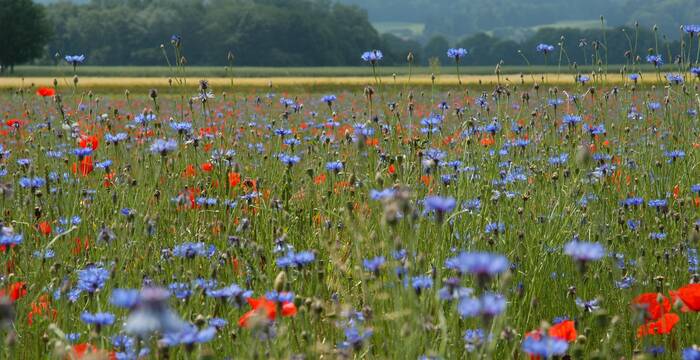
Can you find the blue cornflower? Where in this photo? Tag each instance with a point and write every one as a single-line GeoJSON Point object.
{"type": "Point", "coordinates": [334, 166]}
{"type": "Point", "coordinates": [469, 307]}
{"type": "Point", "coordinates": [291, 141]}
{"type": "Point", "coordinates": [286, 102]}
{"type": "Point", "coordinates": [481, 264]}
{"type": "Point", "coordinates": [218, 322]}
{"type": "Point", "coordinates": [92, 278]}
{"type": "Point", "coordinates": [634, 77]}
{"type": "Point", "coordinates": [434, 154]}
{"type": "Point", "coordinates": [488, 306]}
{"type": "Point", "coordinates": [691, 353]}
{"type": "Point", "coordinates": [289, 160]}
{"type": "Point", "coordinates": [544, 48]}
{"type": "Point", "coordinates": [625, 283]}
{"type": "Point", "coordinates": [674, 155]}
{"type": "Point", "coordinates": [44, 255]}
{"type": "Point", "coordinates": [189, 250]}
{"type": "Point", "coordinates": [127, 212]}
{"type": "Point", "coordinates": [633, 224]}
{"type": "Point", "coordinates": [555, 102]}
{"type": "Point", "coordinates": [56, 154]}
{"type": "Point", "coordinates": [559, 159]}
{"type": "Point", "coordinates": [583, 251]}
{"type": "Point", "coordinates": [546, 346]}
{"type": "Point", "coordinates": [189, 336]}
{"type": "Point", "coordinates": [181, 127]}
{"type": "Point", "coordinates": [695, 71]}
{"type": "Point", "coordinates": [583, 79]}
{"type": "Point", "coordinates": [492, 304]}
{"type": "Point", "coordinates": [420, 283]}
{"type": "Point", "coordinates": [233, 292]}
{"type": "Point", "coordinates": [280, 297]}
{"type": "Point", "coordinates": [675, 79]}
{"type": "Point", "coordinates": [656, 60]}
{"type": "Point", "coordinates": [143, 119]}
{"type": "Point", "coordinates": [372, 56]}
{"type": "Point", "coordinates": [481, 101]}
{"type": "Point", "coordinates": [180, 290]}
{"type": "Point", "coordinates": [9, 238]}
{"type": "Point", "coordinates": [329, 99]}
{"type": "Point", "coordinates": [657, 203]}
{"type": "Point", "coordinates": [497, 228]}
{"type": "Point", "coordinates": [75, 60]}
{"type": "Point", "coordinates": [695, 188]}
{"type": "Point", "coordinates": [299, 259]}
{"type": "Point", "coordinates": [595, 129]}
{"type": "Point", "coordinates": [163, 147]}
{"type": "Point", "coordinates": [153, 315]}
{"type": "Point", "coordinates": [104, 164]}
{"type": "Point", "coordinates": [438, 204]}
{"type": "Point", "coordinates": [72, 337]}
{"type": "Point", "coordinates": [653, 106]}
{"type": "Point", "coordinates": [457, 53]}
{"type": "Point", "coordinates": [691, 29]}
{"type": "Point", "coordinates": [373, 264]}
{"type": "Point", "coordinates": [453, 291]}
{"type": "Point", "coordinates": [24, 162]}
{"type": "Point", "coordinates": [282, 132]}
{"type": "Point", "coordinates": [473, 338]}
{"type": "Point", "coordinates": [124, 298]}
{"type": "Point", "coordinates": [354, 339]}
{"type": "Point", "coordinates": [32, 183]}
{"type": "Point", "coordinates": [82, 152]}
{"type": "Point", "coordinates": [116, 138]}
{"type": "Point", "coordinates": [571, 120]}
{"type": "Point", "coordinates": [97, 319]}
{"type": "Point", "coordinates": [633, 201]}
{"type": "Point", "coordinates": [657, 236]}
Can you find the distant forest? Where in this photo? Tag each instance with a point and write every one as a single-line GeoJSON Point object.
{"type": "Point", "coordinates": [330, 33]}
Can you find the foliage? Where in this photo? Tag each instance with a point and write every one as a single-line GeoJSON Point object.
{"type": "Point", "coordinates": [24, 32]}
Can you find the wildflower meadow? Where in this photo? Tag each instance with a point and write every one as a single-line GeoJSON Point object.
{"type": "Point", "coordinates": [527, 218]}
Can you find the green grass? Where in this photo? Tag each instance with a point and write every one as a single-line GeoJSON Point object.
{"type": "Point", "coordinates": [331, 213]}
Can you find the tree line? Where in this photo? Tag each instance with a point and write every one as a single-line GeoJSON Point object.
{"type": "Point", "coordinates": [279, 33]}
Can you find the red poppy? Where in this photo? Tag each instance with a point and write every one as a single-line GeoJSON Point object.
{"type": "Point", "coordinates": [662, 326]}
{"type": "Point", "coordinates": [41, 307]}
{"type": "Point", "coordinates": [234, 179]}
{"type": "Point", "coordinates": [15, 123]}
{"type": "Point", "coordinates": [16, 291]}
{"type": "Point", "coordinates": [392, 169]}
{"type": "Point", "coordinates": [189, 171]}
{"type": "Point", "coordinates": [85, 350]}
{"type": "Point", "coordinates": [44, 227]}
{"type": "Point", "coordinates": [487, 141]}
{"type": "Point", "coordinates": [649, 302]}
{"type": "Point", "coordinates": [88, 141]}
{"type": "Point", "coordinates": [320, 179]}
{"type": "Point", "coordinates": [84, 168]}
{"type": "Point", "coordinates": [264, 308]}
{"type": "Point", "coordinates": [207, 167]}
{"type": "Point", "coordinates": [565, 330]}
{"type": "Point", "coordinates": [45, 91]}
{"type": "Point", "coordinates": [689, 295]}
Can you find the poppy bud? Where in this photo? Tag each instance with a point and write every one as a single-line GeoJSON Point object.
{"type": "Point", "coordinates": [280, 281]}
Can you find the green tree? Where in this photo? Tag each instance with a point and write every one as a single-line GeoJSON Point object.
{"type": "Point", "coordinates": [24, 32]}
{"type": "Point", "coordinates": [436, 48]}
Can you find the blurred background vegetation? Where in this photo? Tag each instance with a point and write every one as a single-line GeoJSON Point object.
{"type": "Point", "coordinates": [335, 33]}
